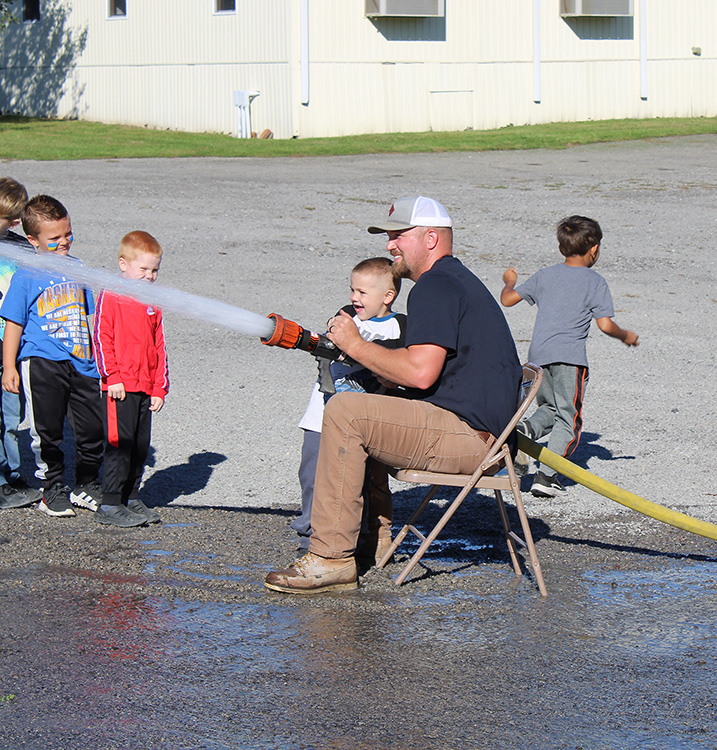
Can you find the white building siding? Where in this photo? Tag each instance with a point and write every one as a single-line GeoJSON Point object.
{"type": "Point", "coordinates": [176, 63]}
{"type": "Point", "coordinates": [198, 98]}
{"type": "Point", "coordinates": [169, 66]}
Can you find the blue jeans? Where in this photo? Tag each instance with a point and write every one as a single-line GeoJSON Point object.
{"type": "Point", "coordinates": [10, 418]}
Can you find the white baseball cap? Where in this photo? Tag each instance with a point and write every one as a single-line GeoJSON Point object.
{"type": "Point", "coordinates": [414, 211]}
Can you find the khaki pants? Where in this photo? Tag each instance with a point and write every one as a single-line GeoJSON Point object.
{"type": "Point", "coordinates": [404, 433]}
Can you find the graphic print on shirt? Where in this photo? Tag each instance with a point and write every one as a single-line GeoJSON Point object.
{"type": "Point", "coordinates": [62, 309]}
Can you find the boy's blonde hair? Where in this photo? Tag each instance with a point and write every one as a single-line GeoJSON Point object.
{"type": "Point", "coordinates": [39, 209]}
{"type": "Point", "coordinates": [135, 243]}
{"type": "Point", "coordinates": [13, 199]}
{"type": "Point", "coordinates": [379, 266]}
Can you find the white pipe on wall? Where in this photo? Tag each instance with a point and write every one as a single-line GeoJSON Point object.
{"type": "Point", "coordinates": [643, 49]}
{"type": "Point", "coordinates": [304, 51]}
{"type": "Point", "coordinates": [536, 52]}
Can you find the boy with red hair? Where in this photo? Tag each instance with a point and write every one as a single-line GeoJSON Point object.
{"type": "Point", "coordinates": [132, 360]}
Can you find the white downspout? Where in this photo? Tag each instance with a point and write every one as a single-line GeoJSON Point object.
{"type": "Point", "coordinates": [536, 52]}
{"type": "Point", "coordinates": [643, 50]}
{"type": "Point", "coordinates": [304, 54]}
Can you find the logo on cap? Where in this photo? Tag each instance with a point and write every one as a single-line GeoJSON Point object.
{"type": "Point", "coordinates": [413, 211]}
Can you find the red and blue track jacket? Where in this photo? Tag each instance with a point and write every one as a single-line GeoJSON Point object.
{"type": "Point", "coordinates": [129, 345]}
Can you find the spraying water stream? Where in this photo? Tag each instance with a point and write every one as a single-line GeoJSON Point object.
{"type": "Point", "coordinates": [192, 305]}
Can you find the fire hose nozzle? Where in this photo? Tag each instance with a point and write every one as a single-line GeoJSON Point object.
{"type": "Point", "coordinates": [286, 333]}
{"type": "Point", "coordinates": [290, 335]}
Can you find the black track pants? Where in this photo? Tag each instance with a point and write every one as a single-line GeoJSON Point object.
{"type": "Point", "coordinates": [54, 390]}
{"type": "Point", "coordinates": [128, 427]}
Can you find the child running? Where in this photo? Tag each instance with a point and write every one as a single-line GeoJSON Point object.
{"type": "Point", "coordinates": [374, 289]}
{"type": "Point", "coordinates": [132, 360]}
{"type": "Point", "coordinates": [569, 295]}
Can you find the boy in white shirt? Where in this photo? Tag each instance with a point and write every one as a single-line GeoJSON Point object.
{"type": "Point", "coordinates": [374, 289]}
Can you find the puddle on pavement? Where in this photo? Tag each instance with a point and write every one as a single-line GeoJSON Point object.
{"type": "Point", "coordinates": [611, 659]}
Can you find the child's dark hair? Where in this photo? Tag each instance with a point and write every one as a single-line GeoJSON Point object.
{"type": "Point", "coordinates": [41, 208]}
{"type": "Point", "coordinates": [577, 234]}
{"type": "Point", "coordinates": [379, 266]}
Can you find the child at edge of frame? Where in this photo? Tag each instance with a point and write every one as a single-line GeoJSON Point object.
{"type": "Point", "coordinates": [14, 490]}
{"type": "Point", "coordinates": [569, 295]}
{"type": "Point", "coordinates": [374, 289]}
{"type": "Point", "coordinates": [132, 360]}
{"type": "Point", "coordinates": [47, 334]}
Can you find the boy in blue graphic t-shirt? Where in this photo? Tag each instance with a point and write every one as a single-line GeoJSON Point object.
{"type": "Point", "coordinates": [48, 335]}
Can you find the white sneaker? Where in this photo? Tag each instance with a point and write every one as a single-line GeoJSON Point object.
{"type": "Point", "coordinates": [87, 496]}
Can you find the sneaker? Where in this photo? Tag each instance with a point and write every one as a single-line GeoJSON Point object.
{"type": "Point", "coordinates": [56, 501]}
{"type": "Point", "coordinates": [87, 496]}
{"type": "Point", "coordinates": [524, 428]}
{"type": "Point", "coordinates": [118, 515]}
{"type": "Point", "coordinates": [138, 507]}
{"type": "Point", "coordinates": [545, 486]}
{"type": "Point", "coordinates": [11, 497]}
{"type": "Point", "coordinates": [521, 462]}
{"type": "Point", "coordinates": [312, 574]}
{"type": "Point", "coordinates": [21, 486]}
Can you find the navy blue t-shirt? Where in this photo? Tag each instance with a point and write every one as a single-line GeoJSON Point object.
{"type": "Point", "coordinates": [450, 307]}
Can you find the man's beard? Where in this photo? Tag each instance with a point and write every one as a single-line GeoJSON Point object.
{"type": "Point", "coordinates": [401, 271]}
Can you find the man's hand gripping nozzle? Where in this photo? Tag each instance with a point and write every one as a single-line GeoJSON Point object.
{"type": "Point", "coordinates": [290, 335]}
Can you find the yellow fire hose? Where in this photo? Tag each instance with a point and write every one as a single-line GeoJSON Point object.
{"type": "Point", "coordinates": [613, 492]}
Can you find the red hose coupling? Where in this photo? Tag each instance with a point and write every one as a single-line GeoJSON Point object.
{"type": "Point", "coordinates": [286, 333]}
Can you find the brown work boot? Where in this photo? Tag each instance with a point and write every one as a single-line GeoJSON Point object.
{"type": "Point", "coordinates": [384, 544]}
{"type": "Point", "coordinates": [371, 549]}
{"type": "Point", "coordinates": [312, 574]}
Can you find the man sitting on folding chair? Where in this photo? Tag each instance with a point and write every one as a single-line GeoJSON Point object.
{"type": "Point", "coordinates": [461, 376]}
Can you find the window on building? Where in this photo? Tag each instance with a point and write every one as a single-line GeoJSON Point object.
{"type": "Point", "coordinates": [118, 8]}
{"type": "Point", "coordinates": [31, 10]}
{"type": "Point", "coordinates": [226, 6]}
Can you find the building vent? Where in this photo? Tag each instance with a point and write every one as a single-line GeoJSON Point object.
{"type": "Point", "coordinates": [410, 8]}
{"type": "Point", "coordinates": [571, 8]}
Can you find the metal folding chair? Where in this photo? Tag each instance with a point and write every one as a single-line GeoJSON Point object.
{"type": "Point", "coordinates": [483, 479]}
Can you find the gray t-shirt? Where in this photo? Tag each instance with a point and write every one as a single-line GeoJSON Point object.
{"type": "Point", "coordinates": [568, 298]}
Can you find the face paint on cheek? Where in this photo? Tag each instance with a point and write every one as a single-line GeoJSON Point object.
{"type": "Point", "coordinates": [55, 245]}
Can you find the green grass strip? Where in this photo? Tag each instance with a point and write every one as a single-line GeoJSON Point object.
{"type": "Point", "coordinates": [47, 140]}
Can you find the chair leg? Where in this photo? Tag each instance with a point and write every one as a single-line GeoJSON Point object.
{"type": "Point", "coordinates": [418, 554]}
{"type": "Point", "coordinates": [535, 563]}
{"type": "Point", "coordinates": [409, 526]}
{"type": "Point", "coordinates": [508, 533]}
{"type": "Point", "coordinates": [527, 535]}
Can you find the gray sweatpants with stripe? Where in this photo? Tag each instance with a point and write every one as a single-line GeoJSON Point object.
{"type": "Point", "coordinates": [560, 409]}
